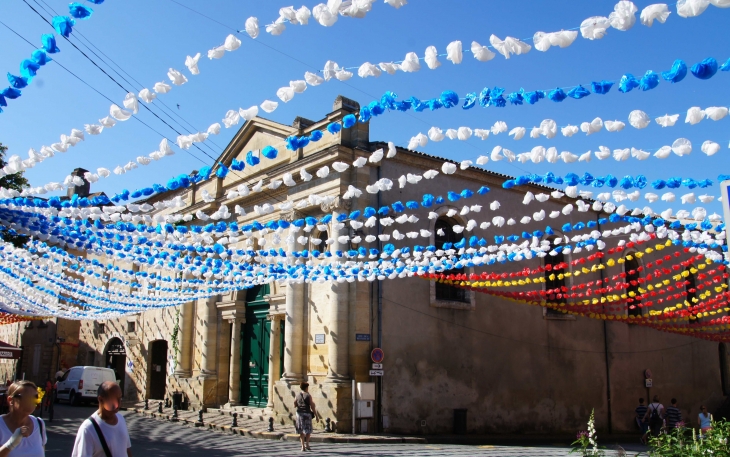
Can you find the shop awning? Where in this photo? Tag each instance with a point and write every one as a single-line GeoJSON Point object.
{"type": "Point", "coordinates": [8, 351]}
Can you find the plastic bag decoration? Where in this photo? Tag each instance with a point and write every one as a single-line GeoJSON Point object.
{"type": "Point", "coordinates": [454, 52]}
{"type": "Point", "coordinates": [253, 158]}
{"type": "Point", "coordinates": [594, 28]}
{"type": "Point", "coordinates": [658, 11]}
{"type": "Point", "coordinates": [705, 69]}
{"type": "Point", "coordinates": [252, 27]}
{"type": "Point", "coordinates": [578, 92]}
{"type": "Point", "coordinates": [269, 152]}
{"type": "Point", "coordinates": [676, 73]}
{"type": "Point", "coordinates": [48, 41]}
{"type": "Point", "coordinates": [627, 83]}
{"type": "Point", "coordinates": [649, 81]}
{"type": "Point", "coordinates": [63, 25]}
{"type": "Point", "coordinates": [543, 41]}
{"type": "Point", "coordinates": [481, 53]}
{"type": "Point", "coordinates": [28, 69]}
{"type": "Point", "coordinates": [509, 46]}
{"type": "Point", "coordinates": [449, 99]}
{"type": "Point", "coordinates": [17, 82]}
{"type": "Point", "coordinates": [601, 87]}
{"type": "Point", "coordinates": [623, 16]}
{"type": "Point", "coordinates": [692, 8]}
{"type": "Point", "coordinates": [79, 11]}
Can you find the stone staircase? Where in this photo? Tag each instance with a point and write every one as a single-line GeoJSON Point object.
{"type": "Point", "coordinates": [255, 423]}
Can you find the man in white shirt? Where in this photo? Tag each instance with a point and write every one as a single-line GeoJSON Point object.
{"type": "Point", "coordinates": [105, 433]}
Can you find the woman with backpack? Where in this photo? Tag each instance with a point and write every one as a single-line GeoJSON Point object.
{"type": "Point", "coordinates": [655, 417]}
{"type": "Point", "coordinates": [22, 434]}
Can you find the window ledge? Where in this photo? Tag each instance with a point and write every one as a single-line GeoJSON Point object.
{"type": "Point", "coordinates": [562, 317]}
{"type": "Point", "coordinates": [452, 304]}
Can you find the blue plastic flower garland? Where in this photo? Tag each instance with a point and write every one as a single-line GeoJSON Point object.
{"type": "Point", "coordinates": [497, 97]}
{"type": "Point", "coordinates": [63, 25]}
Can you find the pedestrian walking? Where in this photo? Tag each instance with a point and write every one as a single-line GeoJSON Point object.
{"type": "Point", "coordinates": [305, 408]}
{"type": "Point", "coordinates": [674, 415]}
{"type": "Point", "coordinates": [640, 413]}
{"type": "Point", "coordinates": [105, 433]}
{"type": "Point", "coordinates": [705, 419]}
{"type": "Point", "coordinates": [23, 435]}
{"type": "Point", "coordinates": [654, 417]}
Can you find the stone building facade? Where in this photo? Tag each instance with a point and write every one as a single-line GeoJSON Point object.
{"type": "Point", "coordinates": [451, 355]}
{"type": "Point", "coordinates": [48, 345]}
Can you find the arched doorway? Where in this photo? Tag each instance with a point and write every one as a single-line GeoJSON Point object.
{"type": "Point", "coordinates": [115, 357]}
{"type": "Point", "coordinates": [157, 371]}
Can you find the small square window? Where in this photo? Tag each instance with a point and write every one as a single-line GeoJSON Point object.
{"type": "Point", "coordinates": [102, 328]}
{"type": "Point", "coordinates": [131, 327]}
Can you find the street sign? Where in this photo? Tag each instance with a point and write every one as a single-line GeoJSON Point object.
{"type": "Point", "coordinates": [362, 337]}
{"type": "Point", "coordinates": [377, 355]}
{"type": "Point", "coordinates": [319, 338]}
{"type": "Point", "coordinates": [376, 372]}
{"type": "Point", "coordinates": [649, 382]}
{"type": "Point", "coordinates": [725, 187]}
{"type": "Point", "coordinates": [377, 366]}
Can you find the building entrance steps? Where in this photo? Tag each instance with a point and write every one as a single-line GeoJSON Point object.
{"type": "Point", "coordinates": [254, 423]}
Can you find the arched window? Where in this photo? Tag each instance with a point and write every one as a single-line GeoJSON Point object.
{"type": "Point", "coordinates": [447, 291]}
{"type": "Point", "coordinates": [631, 268]}
{"type": "Point", "coordinates": [322, 246]}
{"type": "Point", "coordinates": [554, 283]}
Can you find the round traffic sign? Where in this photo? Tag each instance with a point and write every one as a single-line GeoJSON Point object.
{"type": "Point", "coordinates": [377, 355]}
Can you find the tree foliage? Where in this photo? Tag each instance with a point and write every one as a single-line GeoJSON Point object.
{"type": "Point", "coordinates": [15, 181]}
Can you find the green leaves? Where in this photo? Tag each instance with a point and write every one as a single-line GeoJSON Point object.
{"type": "Point", "coordinates": [687, 442]}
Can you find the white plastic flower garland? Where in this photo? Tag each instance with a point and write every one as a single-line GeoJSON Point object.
{"type": "Point", "coordinates": [549, 129]}
{"type": "Point", "coordinates": [231, 43]}
{"type": "Point", "coordinates": [622, 18]}
{"type": "Point", "coordinates": [498, 221]}
{"type": "Point", "coordinates": [541, 247]}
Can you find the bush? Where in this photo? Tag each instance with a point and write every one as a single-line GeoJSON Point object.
{"type": "Point", "coordinates": [688, 442]}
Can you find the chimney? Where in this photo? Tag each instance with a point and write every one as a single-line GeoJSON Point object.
{"type": "Point", "coordinates": [359, 135]}
{"type": "Point", "coordinates": [81, 191]}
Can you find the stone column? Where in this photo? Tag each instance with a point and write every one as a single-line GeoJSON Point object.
{"type": "Point", "coordinates": [234, 377]}
{"type": "Point", "coordinates": [209, 314]}
{"type": "Point", "coordinates": [337, 348]}
{"type": "Point", "coordinates": [185, 342]}
{"type": "Point", "coordinates": [274, 368]}
{"type": "Point", "coordinates": [293, 329]}
{"type": "Point", "coordinates": [293, 333]}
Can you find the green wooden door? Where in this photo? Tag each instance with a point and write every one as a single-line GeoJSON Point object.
{"type": "Point", "coordinates": [255, 338]}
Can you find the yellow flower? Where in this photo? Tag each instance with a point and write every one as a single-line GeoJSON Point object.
{"type": "Point", "coordinates": [41, 392]}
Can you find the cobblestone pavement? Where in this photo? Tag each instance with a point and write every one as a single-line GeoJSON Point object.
{"type": "Point", "coordinates": [151, 437]}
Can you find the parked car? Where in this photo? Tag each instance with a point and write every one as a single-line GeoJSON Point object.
{"type": "Point", "coordinates": [80, 384]}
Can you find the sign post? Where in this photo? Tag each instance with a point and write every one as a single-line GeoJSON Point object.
{"type": "Point", "coordinates": [377, 356]}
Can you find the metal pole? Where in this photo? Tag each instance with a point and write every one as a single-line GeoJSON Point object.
{"type": "Point", "coordinates": [353, 406]}
{"type": "Point", "coordinates": [379, 380]}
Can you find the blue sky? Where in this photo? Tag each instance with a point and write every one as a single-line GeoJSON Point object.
{"type": "Point", "coordinates": [146, 37]}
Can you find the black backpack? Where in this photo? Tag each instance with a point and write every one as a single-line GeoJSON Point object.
{"type": "Point", "coordinates": [654, 418]}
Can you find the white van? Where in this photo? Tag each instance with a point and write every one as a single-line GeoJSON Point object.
{"type": "Point", "coordinates": [80, 384]}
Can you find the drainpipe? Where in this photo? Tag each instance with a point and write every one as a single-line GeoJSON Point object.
{"type": "Point", "coordinates": [605, 345]}
{"type": "Point", "coordinates": [379, 411]}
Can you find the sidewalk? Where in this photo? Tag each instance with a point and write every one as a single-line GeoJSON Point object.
{"type": "Point", "coordinates": [254, 423]}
